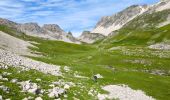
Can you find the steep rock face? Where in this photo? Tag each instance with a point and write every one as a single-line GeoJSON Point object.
{"type": "Point", "coordinates": [31, 29]}
{"type": "Point", "coordinates": [110, 23]}
{"type": "Point", "coordinates": [90, 37]}
{"type": "Point", "coordinates": [55, 31]}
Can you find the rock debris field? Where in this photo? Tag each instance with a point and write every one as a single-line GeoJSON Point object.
{"type": "Point", "coordinates": [123, 92]}
{"type": "Point", "coordinates": [12, 59]}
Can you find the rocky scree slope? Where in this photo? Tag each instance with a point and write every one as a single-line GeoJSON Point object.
{"type": "Point", "coordinates": [13, 44]}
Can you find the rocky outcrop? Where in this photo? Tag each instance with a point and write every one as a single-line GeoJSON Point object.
{"type": "Point", "coordinates": [90, 37]}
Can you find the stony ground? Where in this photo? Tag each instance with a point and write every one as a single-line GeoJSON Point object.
{"type": "Point", "coordinates": [13, 59]}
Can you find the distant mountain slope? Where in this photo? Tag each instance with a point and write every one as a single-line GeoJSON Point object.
{"type": "Point", "coordinates": [112, 23]}
{"type": "Point", "coordinates": [143, 30]}
{"type": "Point", "coordinates": [90, 37]}
{"type": "Point", "coordinates": [48, 31]}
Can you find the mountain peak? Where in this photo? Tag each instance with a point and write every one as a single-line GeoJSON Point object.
{"type": "Point", "coordinates": [52, 28]}
{"type": "Point", "coordinates": [110, 23]}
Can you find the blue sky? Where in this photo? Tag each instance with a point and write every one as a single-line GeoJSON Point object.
{"type": "Point", "coordinates": [70, 15]}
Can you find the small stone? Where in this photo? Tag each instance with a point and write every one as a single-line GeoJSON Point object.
{"type": "Point", "coordinates": [56, 92]}
{"type": "Point", "coordinates": [99, 76]}
{"type": "Point", "coordinates": [1, 77]}
{"type": "Point", "coordinates": [5, 79]}
{"type": "Point", "coordinates": [65, 96]}
{"type": "Point", "coordinates": [38, 98]}
{"type": "Point", "coordinates": [14, 80]}
{"type": "Point", "coordinates": [25, 99]}
{"type": "Point", "coordinates": [1, 97]}
{"type": "Point", "coordinates": [29, 98]}
{"type": "Point", "coordinates": [57, 99]}
{"type": "Point", "coordinates": [67, 69]}
{"type": "Point", "coordinates": [38, 79]}
{"type": "Point", "coordinates": [52, 85]}
{"type": "Point", "coordinates": [6, 74]}
{"type": "Point", "coordinates": [66, 86]}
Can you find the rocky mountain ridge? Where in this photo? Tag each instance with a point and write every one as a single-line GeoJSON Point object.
{"type": "Point", "coordinates": [47, 31]}
{"type": "Point", "coordinates": [109, 24]}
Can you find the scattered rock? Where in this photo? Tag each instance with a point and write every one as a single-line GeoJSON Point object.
{"type": "Point", "coordinates": [5, 79]}
{"type": "Point", "coordinates": [1, 77]}
{"type": "Point", "coordinates": [14, 80]}
{"type": "Point", "coordinates": [98, 76]}
{"type": "Point", "coordinates": [123, 92]}
{"type": "Point", "coordinates": [14, 60]}
{"type": "Point", "coordinates": [27, 86]}
{"type": "Point", "coordinates": [6, 74]}
{"type": "Point", "coordinates": [157, 72]}
{"type": "Point", "coordinates": [65, 96]}
{"type": "Point", "coordinates": [38, 79]}
{"type": "Point", "coordinates": [66, 68]}
{"type": "Point", "coordinates": [66, 86]}
{"type": "Point", "coordinates": [38, 98]}
{"type": "Point", "coordinates": [52, 85]}
{"type": "Point", "coordinates": [5, 89]}
{"type": "Point", "coordinates": [56, 92]}
{"type": "Point", "coordinates": [25, 99]}
{"type": "Point", "coordinates": [1, 97]}
{"type": "Point", "coordinates": [79, 76]}
{"type": "Point", "coordinates": [160, 46]}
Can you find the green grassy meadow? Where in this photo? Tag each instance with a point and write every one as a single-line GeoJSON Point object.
{"type": "Point", "coordinates": [131, 63]}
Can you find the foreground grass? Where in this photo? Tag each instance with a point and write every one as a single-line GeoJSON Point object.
{"type": "Point", "coordinates": [15, 90]}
